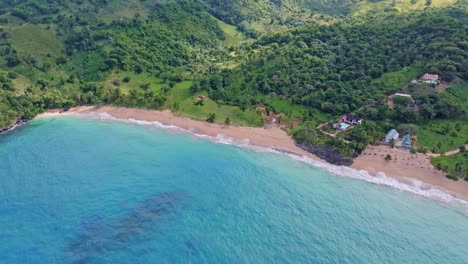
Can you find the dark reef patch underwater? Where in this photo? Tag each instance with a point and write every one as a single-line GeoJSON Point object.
{"type": "Point", "coordinates": [98, 236]}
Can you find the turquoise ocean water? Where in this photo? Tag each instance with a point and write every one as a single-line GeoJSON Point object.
{"type": "Point", "coordinates": [76, 190]}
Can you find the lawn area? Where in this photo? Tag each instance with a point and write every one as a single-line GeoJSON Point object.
{"type": "Point", "coordinates": [448, 164]}
{"type": "Point", "coordinates": [444, 135]}
{"type": "Point", "coordinates": [181, 102]}
{"type": "Point", "coordinates": [394, 81]}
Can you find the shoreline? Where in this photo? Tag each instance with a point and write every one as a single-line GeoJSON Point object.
{"type": "Point", "coordinates": [13, 126]}
{"type": "Point", "coordinates": [423, 176]}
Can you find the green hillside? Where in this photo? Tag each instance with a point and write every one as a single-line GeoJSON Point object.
{"type": "Point", "coordinates": [309, 60]}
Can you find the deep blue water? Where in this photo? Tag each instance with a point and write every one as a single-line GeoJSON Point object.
{"type": "Point", "coordinates": [87, 191]}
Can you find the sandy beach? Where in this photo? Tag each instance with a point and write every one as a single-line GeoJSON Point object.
{"type": "Point", "coordinates": [406, 165]}
{"type": "Point", "coordinates": [403, 166]}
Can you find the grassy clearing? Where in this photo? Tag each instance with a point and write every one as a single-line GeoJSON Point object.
{"type": "Point", "coordinates": [35, 40]}
{"type": "Point", "coordinates": [21, 83]}
{"type": "Point", "coordinates": [292, 111]}
{"type": "Point", "coordinates": [32, 74]}
{"type": "Point", "coordinates": [231, 34]}
{"type": "Point", "coordinates": [182, 102]}
{"type": "Point", "coordinates": [399, 5]}
{"type": "Point", "coordinates": [443, 135]}
{"type": "Point", "coordinates": [449, 163]}
{"type": "Point", "coordinates": [394, 81]}
{"type": "Point", "coordinates": [460, 89]}
{"type": "Point", "coordinates": [124, 9]}
{"type": "Point", "coordinates": [419, 88]}
{"type": "Point", "coordinates": [457, 93]}
{"type": "Point", "coordinates": [135, 80]}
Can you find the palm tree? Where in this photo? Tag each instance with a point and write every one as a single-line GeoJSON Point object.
{"type": "Point", "coordinates": [388, 158]}
{"type": "Point", "coordinates": [211, 117]}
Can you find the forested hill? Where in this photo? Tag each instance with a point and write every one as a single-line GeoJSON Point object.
{"type": "Point", "coordinates": [332, 68]}
{"type": "Point", "coordinates": [352, 68]}
{"type": "Point", "coordinates": [310, 60]}
{"type": "Point", "coordinates": [52, 52]}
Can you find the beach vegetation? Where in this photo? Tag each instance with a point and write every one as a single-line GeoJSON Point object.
{"type": "Point", "coordinates": [422, 150]}
{"type": "Point", "coordinates": [455, 165]}
{"type": "Point", "coordinates": [388, 158]}
{"type": "Point", "coordinates": [211, 117]}
{"type": "Point", "coordinates": [451, 177]}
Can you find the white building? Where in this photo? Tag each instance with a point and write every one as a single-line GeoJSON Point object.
{"type": "Point", "coordinates": [391, 135]}
{"type": "Point", "coordinates": [430, 78]}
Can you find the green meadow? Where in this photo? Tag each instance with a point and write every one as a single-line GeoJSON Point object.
{"type": "Point", "coordinates": [182, 102]}
{"type": "Point", "coordinates": [443, 135]}
{"type": "Point", "coordinates": [449, 164]}
{"type": "Point", "coordinates": [231, 34]}
{"type": "Point", "coordinates": [395, 80]}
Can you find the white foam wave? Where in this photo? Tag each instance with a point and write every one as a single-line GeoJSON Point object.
{"type": "Point", "coordinates": [407, 185]}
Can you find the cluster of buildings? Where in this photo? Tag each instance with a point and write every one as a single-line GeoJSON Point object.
{"type": "Point", "coordinates": [348, 121]}
{"type": "Point", "coordinates": [394, 137]}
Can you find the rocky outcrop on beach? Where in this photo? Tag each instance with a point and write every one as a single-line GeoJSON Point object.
{"type": "Point", "coordinates": [17, 123]}
{"type": "Point", "coordinates": [327, 153]}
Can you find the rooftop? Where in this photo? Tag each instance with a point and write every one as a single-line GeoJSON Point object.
{"type": "Point", "coordinates": [403, 95]}
{"type": "Point", "coordinates": [430, 76]}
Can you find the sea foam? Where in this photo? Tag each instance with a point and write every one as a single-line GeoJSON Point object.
{"type": "Point", "coordinates": [404, 184]}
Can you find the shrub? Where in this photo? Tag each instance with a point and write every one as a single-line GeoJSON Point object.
{"type": "Point", "coordinates": [455, 178]}
{"type": "Point", "coordinates": [12, 75]}
{"type": "Point", "coordinates": [145, 86]}
{"type": "Point", "coordinates": [462, 148]}
{"type": "Point", "coordinates": [401, 100]}
{"type": "Point", "coordinates": [211, 117]}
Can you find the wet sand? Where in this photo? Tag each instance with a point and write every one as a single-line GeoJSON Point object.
{"type": "Point", "coordinates": [403, 165]}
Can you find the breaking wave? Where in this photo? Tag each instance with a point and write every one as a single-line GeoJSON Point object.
{"type": "Point", "coordinates": [404, 184]}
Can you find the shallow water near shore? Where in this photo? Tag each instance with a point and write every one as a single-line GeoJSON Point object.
{"type": "Point", "coordinates": [76, 190]}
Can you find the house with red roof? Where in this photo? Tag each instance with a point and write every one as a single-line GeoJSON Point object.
{"type": "Point", "coordinates": [430, 78]}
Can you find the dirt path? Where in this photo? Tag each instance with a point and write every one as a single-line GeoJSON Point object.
{"type": "Point", "coordinates": [448, 153]}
